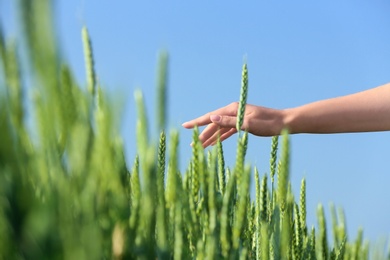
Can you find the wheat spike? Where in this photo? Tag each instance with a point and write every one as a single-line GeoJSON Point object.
{"type": "Point", "coordinates": [243, 98]}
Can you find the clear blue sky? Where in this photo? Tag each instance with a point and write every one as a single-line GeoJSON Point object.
{"type": "Point", "coordinates": [297, 52]}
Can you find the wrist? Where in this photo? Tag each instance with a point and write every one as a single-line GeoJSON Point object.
{"type": "Point", "coordinates": [290, 116]}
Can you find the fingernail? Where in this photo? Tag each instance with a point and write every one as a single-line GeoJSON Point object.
{"type": "Point", "coordinates": [215, 118]}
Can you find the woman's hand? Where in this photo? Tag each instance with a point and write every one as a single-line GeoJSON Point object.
{"type": "Point", "coordinates": [258, 120]}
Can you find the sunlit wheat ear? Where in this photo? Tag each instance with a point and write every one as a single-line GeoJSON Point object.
{"type": "Point", "coordinates": [312, 244]}
{"type": "Point", "coordinates": [221, 168]}
{"type": "Point", "coordinates": [238, 225]}
{"type": "Point", "coordinates": [273, 159]}
{"type": "Point", "coordinates": [89, 62]}
{"type": "Point", "coordinates": [302, 207]}
{"type": "Point", "coordinates": [283, 174]}
{"type": "Point", "coordinates": [264, 199]}
{"type": "Point", "coordinates": [342, 229]}
{"type": "Point", "coordinates": [135, 188]}
{"type": "Point", "coordinates": [211, 182]}
{"type": "Point", "coordinates": [135, 181]}
{"type": "Point", "coordinates": [271, 247]}
{"type": "Point", "coordinates": [162, 81]}
{"type": "Point", "coordinates": [251, 228]}
{"type": "Point", "coordinates": [258, 194]}
{"type": "Point", "coordinates": [341, 250]}
{"type": "Point", "coordinates": [276, 234]}
{"type": "Point", "coordinates": [358, 245]}
{"type": "Point", "coordinates": [333, 213]}
{"type": "Point", "coordinates": [178, 243]}
{"type": "Point", "coordinates": [298, 234]}
{"type": "Point", "coordinates": [142, 125]}
{"type": "Point", "coordinates": [240, 157]}
{"type": "Point", "coordinates": [265, 241]}
{"type": "Point", "coordinates": [243, 98]}
{"type": "Point", "coordinates": [172, 182]}
{"type": "Point", "coordinates": [161, 227]}
{"type": "Point", "coordinates": [257, 213]}
{"type": "Point", "coordinates": [287, 232]}
{"type": "Point", "coordinates": [195, 180]}
{"type": "Point", "coordinates": [322, 242]}
{"type": "Point", "coordinates": [161, 157]}
{"type": "Point", "coordinates": [225, 234]}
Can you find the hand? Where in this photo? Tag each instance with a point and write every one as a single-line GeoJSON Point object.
{"type": "Point", "coordinates": [258, 120]}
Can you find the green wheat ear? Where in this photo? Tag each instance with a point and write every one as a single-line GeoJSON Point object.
{"type": "Point", "coordinates": [298, 243]}
{"type": "Point", "coordinates": [274, 150]}
{"type": "Point", "coordinates": [283, 173]}
{"type": "Point", "coordinates": [135, 196]}
{"type": "Point", "coordinates": [243, 98]}
{"type": "Point", "coordinates": [172, 185]}
{"type": "Point", "coordinates": [241, 209]}
{"type": "Point", "coordinates": [257, 213]}
{"type": "Point", "coordinates": [142, 125]}
{"type": "Point", "coordinates": [89, 62]}
{"type": "Point", "coordinates": [336, 240]}
{"type": "Point", "coordinates": [302, 207]}
{"type": "Point", "coordinates": [221, 168]}
{"type": "Point", "coordinates": [225, 234]}
{"type": "Point", "coordinates": [341, 250]}
{"type": "Point", "coordinates": [322, 243]}
{"type": "Point", "coordinates": [264, 199]}
{"type": "Point", "coordinates": [161, 158]}
{"type": "Point", "coordinates": [162, 79]}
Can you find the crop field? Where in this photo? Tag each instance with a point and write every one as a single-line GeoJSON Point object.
{"type": "Point", "coordinates": [66, 191]}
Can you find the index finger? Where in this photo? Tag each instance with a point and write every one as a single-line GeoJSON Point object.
{"type": "Point", "coordinates": [205, 119]}
{"type": "Point", "coordinates": [200, 121]}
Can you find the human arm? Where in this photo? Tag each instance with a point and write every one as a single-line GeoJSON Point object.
{"type": "Point", "coordinates": [365, 111]}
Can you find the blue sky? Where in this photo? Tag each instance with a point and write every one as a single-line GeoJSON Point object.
{"type": "Point", "coordinates": [297, 52]}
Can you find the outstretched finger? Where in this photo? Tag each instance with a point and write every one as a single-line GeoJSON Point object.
{"type": "Point", "coordinates": [200, 121]}
{"type": "Point", "coordinates": [229, 110]}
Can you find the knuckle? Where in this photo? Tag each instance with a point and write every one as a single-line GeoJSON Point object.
{"type": "Point", "coordinates": [224, 121]}
{"type": "Point", "coordinates": [233, 108]}
{"type": "Point", "coordinates": [234, 104]}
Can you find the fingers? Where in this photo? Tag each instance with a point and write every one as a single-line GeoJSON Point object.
{"type": "Point", "coordinates": [220, 123]}
{"type": "Point", "coordinates": [225, 136]}
{"type": "Point", "coordinates": [214, 138]}
{"type": "Point", "coordinates": [218, 126]}
{"type": "Point", "coordinates": [208, 132]}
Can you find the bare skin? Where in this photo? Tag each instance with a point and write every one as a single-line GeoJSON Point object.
{"type": "Point", "coordinates": [366, 111]}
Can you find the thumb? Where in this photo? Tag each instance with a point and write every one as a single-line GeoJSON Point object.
{"type": "Point", "coordinates": [224, 121]}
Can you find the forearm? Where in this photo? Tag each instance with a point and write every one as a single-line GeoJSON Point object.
{"type": "Point", "coordinates": [361, 112]}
